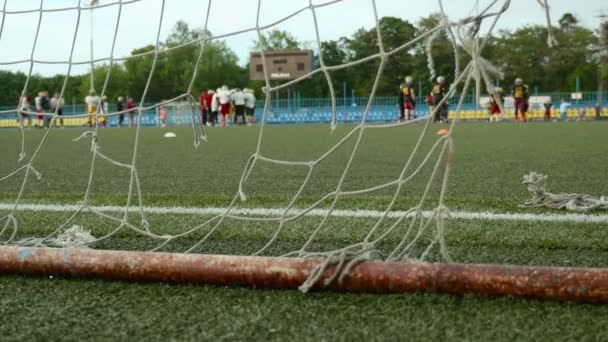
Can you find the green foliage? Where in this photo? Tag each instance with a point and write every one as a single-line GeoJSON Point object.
{"type": "Point", "coordinates": [277, 40]}
{"type": "Point", "coordinates": [12, 83]}
{"type": "Point", "coordinates": [524, 53]}
{"type": "Point", "coordinates": [118, 83]}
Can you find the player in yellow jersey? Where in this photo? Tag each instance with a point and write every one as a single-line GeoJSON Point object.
{"type": "Point", "coordinates": [92, 101]}
{"type": "Point", "coordinates": [407, 100]}
{"type": "Point", "coordinates": [520, 99]}
{"type": "Point", "coordinates": [439, 93]}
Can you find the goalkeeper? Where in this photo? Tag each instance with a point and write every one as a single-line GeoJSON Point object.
{"type": "Point", "coordinates": [407, 100]}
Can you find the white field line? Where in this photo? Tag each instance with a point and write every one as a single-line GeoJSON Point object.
{"type": "Point", "coordinates": [273, 212]}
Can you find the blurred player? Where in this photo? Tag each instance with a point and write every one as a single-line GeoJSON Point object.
{"type": "Point", "coordinates": [162, 114]}
{"type": "Point", "coordinates": [237, 98]}
{"type": "Point", "coordinates": [214, 106]}
{"type": "Point", "coordinates": [57, 106]}
{"type": "Point", "coordinates": [207, 99]}
{"type": "Point", "coordinates": [496, 101]}
{"type": "Point", "coordinates": [44, 107]}
{"type": "Point", "coordinates": [203, 107]}
{"type": "Point", "coordinates": [520, 99]}
{"type": "Point", "coordinates": [581, 114]}
{"type": "Point", "coordinates": [547, 106]}
{"type": "Point", "coordinates": [224, 98]}
{"type": "Point", "coordinates": [131, 111]}
{"type": "Point", "coordinates": [103, 109]}
{"type": "Point", "coordinates": [407, 100]}
{"type": "Point", "coordinates": [38, 105]}
{"type": "Point", "coordinates": [24, 107]}
{"type": "Point", "coordinates": [438, 92]}
{"type": "Point", "coordinates": [250, 106]}
{"type": "Point", "coordinates": [92, 102]}
{"type": "Point", "coordinates": [119, 108]}
{"type": "Point", "coordinates": [429, 102]}
{"type": "Point", "coordinates": [563, 110]}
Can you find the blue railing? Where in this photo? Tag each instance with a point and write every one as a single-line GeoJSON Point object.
{"type": "Point", "coordinates": [298, 110]}
{"type": "Point", "coordinates": [589, 98]}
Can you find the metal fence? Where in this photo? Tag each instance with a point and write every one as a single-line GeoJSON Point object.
{"type": "Point", "coordinates": [295, 103]}
{"type": "Point", "coordinates": [308, 110]}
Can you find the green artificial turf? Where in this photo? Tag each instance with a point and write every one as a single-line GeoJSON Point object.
{"type": "Point", "coordinates": [489, 162]}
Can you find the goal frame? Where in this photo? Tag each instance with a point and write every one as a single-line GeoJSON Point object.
{"type": "Point", "coordinates": [547, 283]}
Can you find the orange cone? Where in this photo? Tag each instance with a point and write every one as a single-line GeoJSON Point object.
{"type": "Point", "coordinates": [443, 131]}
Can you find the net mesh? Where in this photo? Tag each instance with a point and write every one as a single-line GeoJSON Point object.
{"type": "Point", "coordinates": [431, 166]}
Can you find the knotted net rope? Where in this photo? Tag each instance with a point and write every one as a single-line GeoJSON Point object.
{"type": "Point", "coordinates": [540, 197]}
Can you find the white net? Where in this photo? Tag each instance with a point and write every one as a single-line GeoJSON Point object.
{"type": "Point", "coordinates": [420, 230]}
{"type": "Point", "coordinates": [180, 113]}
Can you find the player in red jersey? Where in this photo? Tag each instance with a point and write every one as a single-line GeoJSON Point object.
{"type": "Point", "coordinates": [496, 101]}
{"type": "Point", "coordinates": [203, 107]}
{"type": "Point", "coordinates": [548, 104]}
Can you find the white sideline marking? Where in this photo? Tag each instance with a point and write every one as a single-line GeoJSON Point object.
{"type": "Point", "coordinates": [466, 215]}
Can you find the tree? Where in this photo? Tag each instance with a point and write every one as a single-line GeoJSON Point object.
{"type": "Point", "coordinates": [395, 32]}
{"type": "Point", "coordinates": [118, 84]}
{"type": "Point", "coordinates": [524, 53]}
{"type": "Point", "coordinates": [175, 68]}
{"type": "Point", "coordinates": [277, 40]}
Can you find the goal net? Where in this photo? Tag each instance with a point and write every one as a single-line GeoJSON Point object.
{"type": "Point", "coordinates": [180, 113]}
{"type": "Point", "coordinates": [299, 241]}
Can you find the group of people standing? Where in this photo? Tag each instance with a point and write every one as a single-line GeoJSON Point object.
{"type": "Point", "coordinates": [521, 102]}
{"type": "Point", "coordinates": [407, 100]}
{"type": "Point", "coordinates": [519, 92]}
{"type": "Point", "coordinates": [44, 108]}
{"type": "Point", "coordinates": [96, 105]}
{"type": "Point", "coordinates": [218, 106]}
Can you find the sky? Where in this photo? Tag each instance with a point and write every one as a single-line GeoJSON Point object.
{"type": "Point", "coordinates": [140, 21]}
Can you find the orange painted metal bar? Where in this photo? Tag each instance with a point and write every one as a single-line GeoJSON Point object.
{"type": "Point", "coordinates": [550, 283]}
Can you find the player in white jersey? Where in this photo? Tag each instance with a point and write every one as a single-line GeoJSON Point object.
{"type": "Point", "coordinates": [238, 101]}
{"type": "Point", "coordinates": [38, 105]}
{"type": "Point", "coordinates": [224, 98]}
{"type": "Point", "coordinates": [24, 107]}
{"type": "Point", "coordinates": [92, 102]}
{"type": "Point", "coordinates": [250, 106]}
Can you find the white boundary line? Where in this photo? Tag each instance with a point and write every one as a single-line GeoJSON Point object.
{"type": "Point", "coordinates": [464, 215]}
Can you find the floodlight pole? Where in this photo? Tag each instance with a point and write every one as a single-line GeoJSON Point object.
{"type": "Point", "coordinates": [92, 4]}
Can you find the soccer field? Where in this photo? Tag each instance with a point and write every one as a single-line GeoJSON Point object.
{"type": "Point", "coordinates": [485, 191]}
